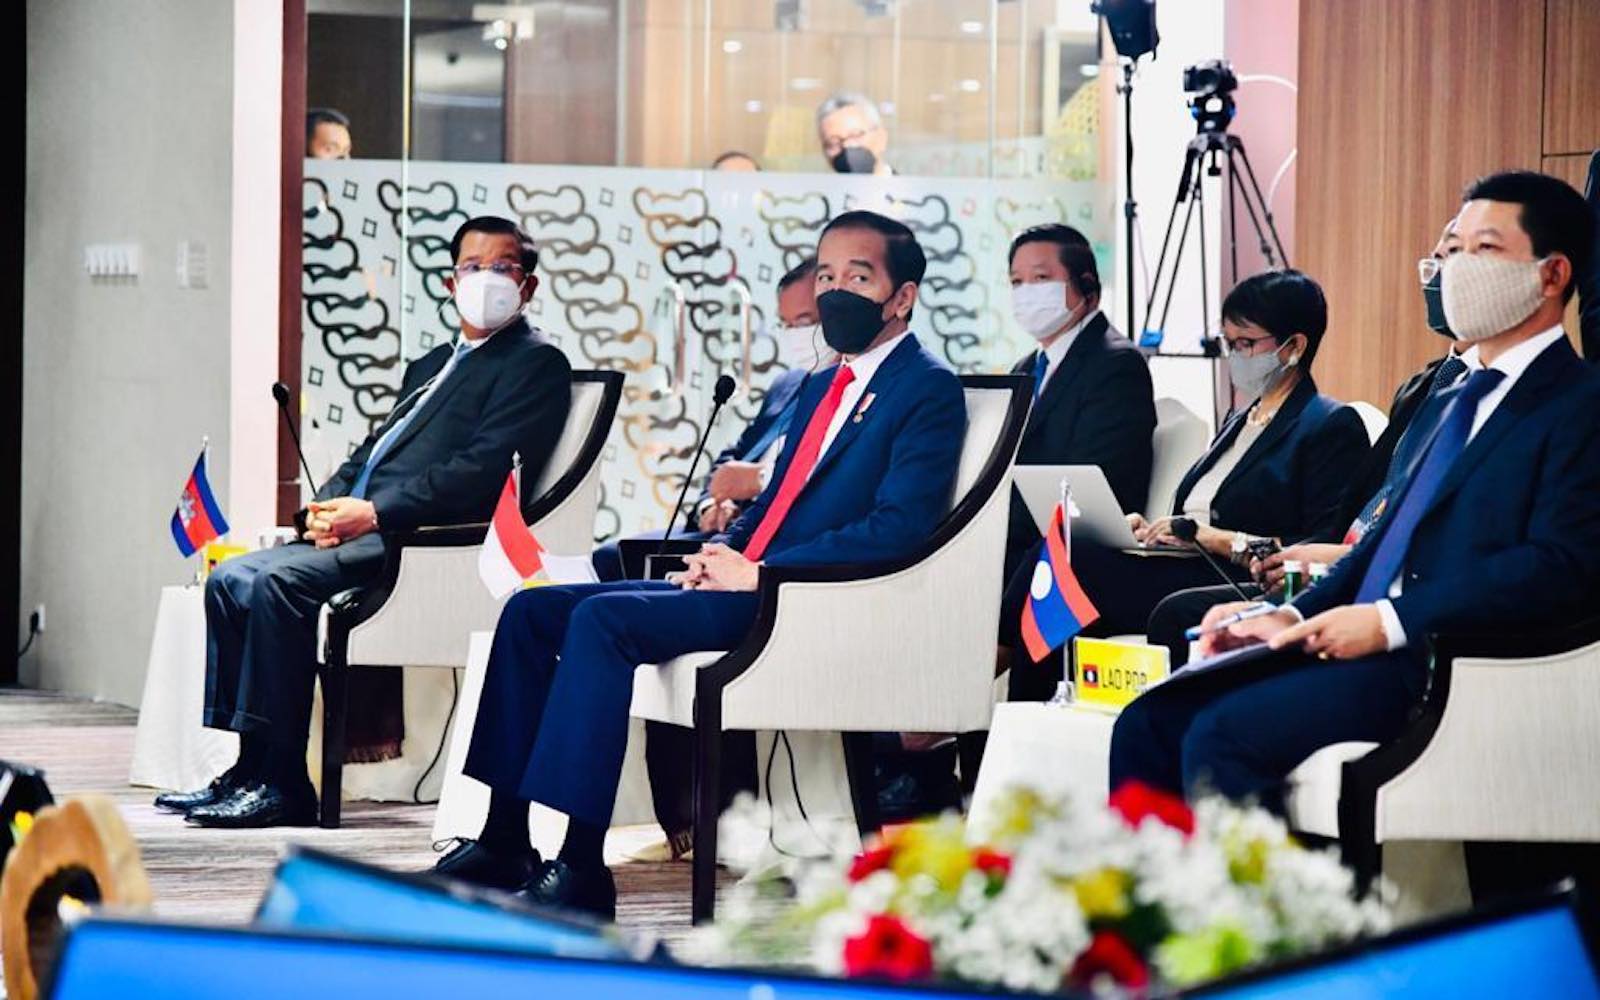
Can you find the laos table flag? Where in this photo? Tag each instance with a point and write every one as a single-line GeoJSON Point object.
{"type": "Point", "coordinates": [198, 519]}
{"type": "Point", "coordinates": [510, 555]}
{"type": "Point", "coordinates": [1057, 607]}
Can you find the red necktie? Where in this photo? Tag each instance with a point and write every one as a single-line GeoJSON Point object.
{"type": "Point", "coordinates": [805, 459]}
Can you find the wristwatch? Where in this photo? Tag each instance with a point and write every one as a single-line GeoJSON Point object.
{"type": "Point", "coordinates": [1240, 547]}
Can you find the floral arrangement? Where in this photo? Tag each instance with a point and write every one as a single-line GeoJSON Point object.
{"type": "Point", "coordinates": [1139, 895]}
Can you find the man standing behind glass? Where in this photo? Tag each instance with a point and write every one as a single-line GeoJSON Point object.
{"type": "Point", "coordinates": [852, 135]}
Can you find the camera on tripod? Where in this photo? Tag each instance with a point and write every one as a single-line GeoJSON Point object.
{"type": "Point", "coordinates": [1212, 83]}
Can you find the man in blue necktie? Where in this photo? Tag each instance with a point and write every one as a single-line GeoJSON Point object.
{"type": "Point", "coordinates": [441, 457]}
{"type": "Point", "coordinates": [1496, 525]}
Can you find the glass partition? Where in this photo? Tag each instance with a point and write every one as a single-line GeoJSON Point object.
{"type": "Point", "coordinates": [596, 122]}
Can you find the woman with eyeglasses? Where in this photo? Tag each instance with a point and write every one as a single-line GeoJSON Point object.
{"type": "Point", "coordinates": [1276, 474]}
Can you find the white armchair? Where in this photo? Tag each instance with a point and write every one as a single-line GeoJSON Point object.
{"type": "Point", "coordinates": [901, 646]}
{"type": "Point", "coordinates": [429, 598]}
{"type": "Point", "coordinates": [1502, 749]}
{"type": "Point", "coordinates": [1179, 439]}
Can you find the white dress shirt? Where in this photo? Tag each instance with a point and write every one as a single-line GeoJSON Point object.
{"type": "Point", "coordinates": [863, 366]}
{"type": "Point", "coordinates": [1514, 362]}
{"type": "Point", "coordinates": [1059, 347]}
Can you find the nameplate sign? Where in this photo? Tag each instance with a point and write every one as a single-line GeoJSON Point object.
{"type": "Point", "coordinates": [1111, 674]}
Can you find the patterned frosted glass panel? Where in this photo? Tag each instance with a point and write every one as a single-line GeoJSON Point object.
{"type": "Point", "coordinates": [614, 243]}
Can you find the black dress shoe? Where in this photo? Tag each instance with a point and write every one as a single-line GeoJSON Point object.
{"type": "Point", "coordinates": [259, 805]}
{"type": "Point", "coordinates": [181, 802]}
{"type": "Point", "coordinates": [588, 890]}
{"type": "Point", "coordinates": [471, 862]}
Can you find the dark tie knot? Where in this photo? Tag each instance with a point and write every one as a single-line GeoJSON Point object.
{"type": "Point", "coordinates": [1479, 384]}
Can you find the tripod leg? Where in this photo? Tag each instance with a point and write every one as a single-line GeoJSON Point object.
{"type": "Point", "coordinates": [1205, 282]}
{"type": "Point", "coordinates": [1234, 193]}
{"type": "Point", "coordinates": [1177, 258]}
{"type": "Point", "coordinates": [1166, 241]}
{"type": "Point", "coordinates": [1266, 210]}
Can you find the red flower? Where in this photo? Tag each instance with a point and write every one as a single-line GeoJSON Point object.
{"type": "Point", "coordinates": [1110, 954]}
{"type": "Point", "coordinates": [888, 948]}
{"type": "Point", "coordinates": [991, 862]}
{"type": "Point", "coordinates": [1136, 800]}
{"type": "Point", "coordinates": [867, 862]}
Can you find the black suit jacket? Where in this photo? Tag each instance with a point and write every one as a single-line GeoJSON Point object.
{"type": "Point", "coordinates": [1369, 478]}
{"type": "Point", "coordinates": [1098, 409]}
{"type": "Point", "coordinates": [511, 394]}
{"type": "Point", "coordinates": [1512, 538]}
{"type": "Point", "coordinates": [1291, 484]}
{"type": "Point", "coordinates": [1589, 281]}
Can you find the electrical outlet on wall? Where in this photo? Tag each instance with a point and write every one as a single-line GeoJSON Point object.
{"type": "Point", "coordinates": [37, 621]}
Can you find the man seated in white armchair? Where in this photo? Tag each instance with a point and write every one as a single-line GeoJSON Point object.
{"type": "Point", "coordinates": [866, 474]}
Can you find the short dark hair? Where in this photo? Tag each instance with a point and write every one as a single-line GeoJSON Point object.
{"type": "Point", "coordinates": [1283, 303]}
{"type": "Point", "coordinates": [316, 116]}
{"type": "Point", "coordinates": [494, 224]}
{"type": "Point", "coordinates": [1554, 215]}
{"type": "Point", "coordinates": [1073, 249]}
{"type": "Point", "coordinates": [734, 154]}
{"type": "Point", "coordinates": [799, 272]}
{"type": "Point", "coordinates": [904, 256]}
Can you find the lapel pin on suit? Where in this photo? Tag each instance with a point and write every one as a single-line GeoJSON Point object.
{"type": "Point", "coordinates": [866, 401]}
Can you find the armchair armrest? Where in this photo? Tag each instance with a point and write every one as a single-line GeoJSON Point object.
{"type": "Point", "coordinates": [1497, 749]}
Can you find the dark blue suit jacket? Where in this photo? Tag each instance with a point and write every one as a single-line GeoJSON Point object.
{"type": "Point", "coordinates": [511, 395]}
{"type": "Point", "coordinates": [779, 395]}
{"type": "Point", "coordinates": [1512, 540]}
{"type": "Point", "coordinates": [1292, 482]}
{"type": "Point", "coordinates": [886, 480]}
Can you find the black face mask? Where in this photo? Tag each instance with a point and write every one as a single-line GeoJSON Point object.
{"type": "Point", "coordinates": [854, 160]}
{"type": "Point", "coordinates": [849, 321]}
{"type": "Point", "coordinates": [1433, 296]}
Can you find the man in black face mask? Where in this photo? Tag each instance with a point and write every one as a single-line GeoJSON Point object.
{"type": "Point", "coordinates": [852, 135]}
{"type": "Point", "coordinates": [866, 474]}
{"type": "Point", "coordinates": [1370, 484]}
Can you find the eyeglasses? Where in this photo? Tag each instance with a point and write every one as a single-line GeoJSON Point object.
{"type": "Point", "coordinates": [504, 268]}
{"type": "Point", "coordinates": [1244, 345]}
{"type": "Point", "coordinates": [832, 144]}
{"type": "Point", "coordinates": [1428, 268]}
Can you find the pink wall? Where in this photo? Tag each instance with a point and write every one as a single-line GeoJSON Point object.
{"type": "Point", "coordinates": [1262, 37]}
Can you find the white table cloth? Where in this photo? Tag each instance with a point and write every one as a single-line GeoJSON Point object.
{"type": "Point", "coordinates": [1058, 750]}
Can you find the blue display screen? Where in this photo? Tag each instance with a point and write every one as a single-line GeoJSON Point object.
{"type": "Point", "coordinates": [314, 893]}
{"type": "Point", "coordinates": [1535, 954]}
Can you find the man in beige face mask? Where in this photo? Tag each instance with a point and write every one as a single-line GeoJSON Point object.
{"type": "Point", "coordinates": [1496, 526]}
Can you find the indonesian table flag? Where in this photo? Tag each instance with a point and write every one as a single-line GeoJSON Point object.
{"type": "Point", "coordinates": [510, 556]}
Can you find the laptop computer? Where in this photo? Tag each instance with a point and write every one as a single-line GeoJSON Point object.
{"type": "Point", "coordinates": [1100, 517]}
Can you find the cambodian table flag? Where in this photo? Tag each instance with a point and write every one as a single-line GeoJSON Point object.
{"type": "Point", "coordinates": [198, 519]}
{"type": "Point", "coordinates": [1057, 607]}
{"type": "Point", "coordinates": [510, 556]}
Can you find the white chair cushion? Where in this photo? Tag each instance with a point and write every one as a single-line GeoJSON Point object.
{"type": "Point", "coordinates": [1313, 796]}
{"type": "Point", "coordinates": [664, 692]}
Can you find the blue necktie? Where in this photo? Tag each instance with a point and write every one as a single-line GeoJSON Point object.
{"type": "Point", "coordinates": [1443, 451]}
{"type": "Point", "coordinates": [381, 448]}
{"type": "Point", "coordinates": [1446, 374]}
{"type": "Point", "coordinates": [1041, 367]}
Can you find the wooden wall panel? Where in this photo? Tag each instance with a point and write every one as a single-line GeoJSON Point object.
{"type": "Point", "coordinates": [1572, 77]}
{"type": "Point", "coordinates": [1400, 105]}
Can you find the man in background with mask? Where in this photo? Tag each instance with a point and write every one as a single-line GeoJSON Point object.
{"type": "Point", "coordinates": [1371, 483]}
{"type": "Point", "coordinates": [743, 469]}
{"type": "Point", "coordinates": [327, 134]}
{"type": "Point", "coordinates": [1496, 525]}
{"type": "Point", "coordinates": [1093, 403]}
{"type": "Point", "coordinates": [852, 135]}
{"type": "Point", "coordinates": [464, 409]}
{"type": "Point", "coordinates": [866, 474]}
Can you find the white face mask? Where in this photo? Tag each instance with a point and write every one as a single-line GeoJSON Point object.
{"type": "Point", "coordinates": [1486, 295]}
{"type": "Point", "coordinates": [487, 300]}
{"type": "Point", "coordinates": [802, 347]}
{"type": "Point", "coordinates": [1041, 309]}
{"type": "Point", "coordinates": [1254, 375]}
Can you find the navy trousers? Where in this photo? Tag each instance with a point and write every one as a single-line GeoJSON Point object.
{"type": "Point", "coordinates": [261, 631]}
{"type": "Point", "coordinates": [552, 723]}
{"type": "Point", "coordinates": [1239, 733]}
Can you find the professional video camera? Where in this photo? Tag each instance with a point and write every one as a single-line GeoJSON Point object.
{"type": "Point", "coordinates": [1212, 83]}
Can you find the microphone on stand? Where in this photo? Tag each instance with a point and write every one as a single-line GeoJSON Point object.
{"type": "Point", "coordinates": [719, 395]}
{"type": "Point", "coordinates": [280, 392]}
{"type": "Point", "coordinates": [1184, 530]}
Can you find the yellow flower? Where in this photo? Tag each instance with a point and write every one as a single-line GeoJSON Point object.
{"type": "Point", "coordinates": [936, 848]}
{"type": "Point", "coordinates": [1247, 859]}
{"type": "Point", "coordinates": [1018, 812]}
{"type": "Point", "coordinates": [1103, 894]}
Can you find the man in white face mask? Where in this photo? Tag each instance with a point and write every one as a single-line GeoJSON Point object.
{"type": "Point", "coordinates": [1494, 528]}
{"type": "Point", "coordinates": [1093, 402]}
{"type": "Point", "coordinates": [441, 457]}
